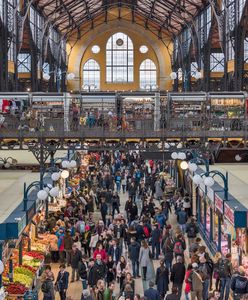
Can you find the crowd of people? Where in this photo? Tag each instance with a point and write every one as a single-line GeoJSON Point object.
{"type": "Point", "coordinates": [121, 223]}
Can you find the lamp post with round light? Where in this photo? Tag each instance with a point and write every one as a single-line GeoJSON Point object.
{"type": "Point", "coordinates": [177, 156]}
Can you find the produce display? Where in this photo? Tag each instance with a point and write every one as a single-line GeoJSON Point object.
{"type": "Point", "coordinates": [16, 289]}
{"type": "Point", "coordinates": [33, 254]}
{"type": "Point", "coordinates": [24, 279]}
{"type": "Point", "coordinates": [24, 271]}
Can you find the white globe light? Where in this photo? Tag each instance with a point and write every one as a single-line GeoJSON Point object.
{"type": "Point", "coordinates": [46, 76]}
{"type": "Point", "coordinates": [209, 181]}
{"type": "Point", "coordinates": [54, 192]}
{"type": "Point", "coordinates": [172, 144]}
{"type": "Point", "coordinates": [173, 75]}
{"type": "Point", "coordinates": [192, 167]}
{"type": "Point", "coordinates": [65, 164]}
{"type": "Point", "coordinates": [65, 174]}
{"type": "Point", "coordinates": [184, 165]}
{"type": "Point", "coordinates": [55, 176]}
{"type": "Point", "coordinates": [197, 179]}
{"type": "Point", "coordinates": [167, 146]}
{"type": "Point", "coordinates": [42, 195]}
{"type": "Point", "coordinates": [7, 165]}
{"type": "Point", "coordinates": [174, 155]}
{"type": "Point", "coordinates": [238, 157]}
{"type": "Point", "coordinates": [1, 267]}
{"type": "Point", "coordinates": [181, 155]}
{"type": "Point", "coordinates": [73, 164]}
{"type": "Point", "coordinates": [179, 146]}
{"type": "Point", "coordinates": [70, 76]}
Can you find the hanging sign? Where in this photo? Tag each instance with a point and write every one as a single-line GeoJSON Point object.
{"type": "Point", "coordinates": [229, 214]}
{"type": "Point", "coordinates": [218, 203]}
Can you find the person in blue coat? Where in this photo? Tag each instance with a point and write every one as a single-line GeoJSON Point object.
{"type": "Point", "coordinates": [162, 279]}
{"type": "Point", "coordinates": [115, 251]}
{"type": "Point", "coordinates": [151, 293]}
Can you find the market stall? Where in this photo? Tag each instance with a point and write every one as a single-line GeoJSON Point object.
{"type": "Point", "coordinates": [228, 110]}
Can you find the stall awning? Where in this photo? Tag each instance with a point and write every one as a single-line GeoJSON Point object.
{"type": "Point", "coordinates": [112, 140]}
{"type": "Point", "coordinates": [132, 140]}
{"type": "Point", "coordinates": [153, 140]}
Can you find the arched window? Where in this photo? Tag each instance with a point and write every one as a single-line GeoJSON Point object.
{"type": "Point", "coordinates": [91, 75]}
{"type": "Point", "coordinates": [148, 75]}
{"type": "Point", "coordinates": [119, 59]}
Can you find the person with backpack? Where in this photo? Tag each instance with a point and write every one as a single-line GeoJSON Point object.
{"type": "Point", "coordinates": [82, 271]}
{"type": "Point", "coordinates": [177, 275]}
{"type": "Point", "coordinates": [134, 250]}
{"type": "Point", "coordinates": [179, 246]}
{"type": "Point", "coordinates": [195, 281]}
{"type": "Point", "coordinates": [191, 230]}
{"type": "Point", "coordinates": [239, 284]}
{"type": "Point", "coordinates": [225, 273]}
{"type": "Point", "coordinates": [155, 239]}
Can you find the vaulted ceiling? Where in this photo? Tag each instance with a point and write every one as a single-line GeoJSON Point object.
{"type": "Point", "coordinates": [169, 16]}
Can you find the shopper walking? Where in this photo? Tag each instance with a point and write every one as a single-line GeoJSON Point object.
{"type": "Point", "coordinates": [225, 273]}
{"type": "Point", "coordinates": [134, 250]}
{"type": "Point", "coordinates": [144, 258]}
{"type": "Point", "coordinates": [62, 282]}
{"type": "Point", "coordinates": [178, 274]}
{"type": "Point", "coordinates": [76, 257]}
{"type": "Point", "coordinates": [151, 293]}
{"type": "Point", "coordinates": [162, 279]}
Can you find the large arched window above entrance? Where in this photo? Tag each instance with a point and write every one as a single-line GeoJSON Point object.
{"type": "Point", "coordinates": [119, 59]}
{"type": "Point", "coordinates": [148, 75]}
{"type": "Point", "coordinates": [91, 75]}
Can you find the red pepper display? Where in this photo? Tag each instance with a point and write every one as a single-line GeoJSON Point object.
{"type": "Point", "coordinates": [16, 289]}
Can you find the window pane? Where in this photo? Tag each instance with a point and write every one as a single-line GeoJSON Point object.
{"type": "Point", "coordinates": [91, 75]}
{"type": "Point", "coordinates": [119, 58]}
{"type": "Point", "coordinates": [148, 74]}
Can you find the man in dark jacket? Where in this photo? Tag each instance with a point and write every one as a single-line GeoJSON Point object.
{"type": "Point", "coordinates": [115, 252]}
{"type": "Point", "coordinates": [155, 239]}
{"type": "Point", "coordinates": [239, 284]}
{"type": "Point", "coordinates": [151, 293]}
{"type": "Point", "coordinates": [178, 274]}
{"type": "Point", "coordinates": [99, 270]}
{"type": "Point", "coordinates": [115, 204]}
{"type": "Point", "coordinates": [62, 281]}
{"type": "Point", "coordinates": [76, 257]}
{"type": "Point", "coordinates": [91, 272]}
{"type": "Point", "coordinates": [134, 250]}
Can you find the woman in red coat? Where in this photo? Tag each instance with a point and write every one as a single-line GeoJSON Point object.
{"type": "Point", "coordinates": [187, 282]}
{"type": "Point", "coordinates": [100, 250]}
